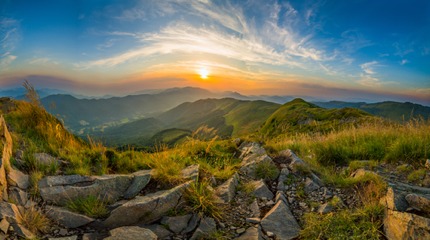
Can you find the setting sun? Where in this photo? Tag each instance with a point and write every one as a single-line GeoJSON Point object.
{"type": "Point", "coordinates": [203, 73]}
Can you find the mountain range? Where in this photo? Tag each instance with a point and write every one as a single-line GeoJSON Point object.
{"type": "Point", "coordinates": [171, 114]}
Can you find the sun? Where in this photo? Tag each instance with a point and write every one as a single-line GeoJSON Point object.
{"type": "Point", "coordinates": [203, 73]}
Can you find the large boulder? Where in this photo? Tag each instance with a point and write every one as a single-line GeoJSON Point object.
{"type": "Point", "coordinates": [419, 202]}
{"type": "Point", "coordinates": [131, 233]}
{"type": "Point", "coordinates": [176, 224]}
{"type": "Point", "coordinates": [280, 221]}
{"type": "Point", "coordinates": [62, 189]}
{"type": "Point", "coordinates": [146, 209]}
{"type": "Point", "coordinates": [227, 190]}
{"type": "Point", "coordinates": [399, 225]}
{"type": "Point", "coordinates": [67, 218]}
{"type": "Point", "coordinates": [140, 180]}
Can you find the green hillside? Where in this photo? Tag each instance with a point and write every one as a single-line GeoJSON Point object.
{"type": "Point", "coordinates": [395, 111]}
{"type": "Point", "coordinates": [299, 116]}
{"type": "Point", "coordinates": [228, 117]}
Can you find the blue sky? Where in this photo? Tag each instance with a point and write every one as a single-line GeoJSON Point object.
{"type": "Point", "coordinates": [349, 50]}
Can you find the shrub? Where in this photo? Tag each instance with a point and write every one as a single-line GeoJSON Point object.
{"type": "Point", "coordinates": [266, 170]}
{"type": "Point", "coordinates": [90, 206]}
{"type": "Point", "coordinates": [35, 221]}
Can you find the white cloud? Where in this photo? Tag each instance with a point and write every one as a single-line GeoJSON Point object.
{"type": "Point", "coordinates": [6, 60]}
{"type": "Point", "coordinates": [369, 81]}
{"type": "Point", "coordinates": [404, 61]}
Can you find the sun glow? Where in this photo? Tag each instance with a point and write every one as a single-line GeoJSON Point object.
{"type": "Point", "coordinates": [203, 72]}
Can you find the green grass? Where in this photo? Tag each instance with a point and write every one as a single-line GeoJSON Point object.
{"type": "Point", "coordinates": [417, 175]}
{"type": "Point", "coordinates": [90, 206]}
{"type": "Point", "coordinates": [266, 170]}
{"type": "Point", "coordinates": [362, 223]}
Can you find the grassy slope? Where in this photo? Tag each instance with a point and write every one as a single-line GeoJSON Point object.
{"type": "Point", "coordinates": [300, 116]}
{"type": "Point", "coordinates": [395, 111]}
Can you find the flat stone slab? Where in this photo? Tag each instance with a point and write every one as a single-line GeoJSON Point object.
{"type": "Point", "coordinates": [131, 233]}
{"type": "Point", "coordinates": [280, 221]}
{"type": "Point", "coordinates": [67, 218]}
{"type": "Point", "coordinates": [145, 209]}
{"type": "Point", "coordinates": [62, 189]}
{"type": "Point", "coordinates": [10, 212]}
{"type": "Point", "coordinates": [18, 179]}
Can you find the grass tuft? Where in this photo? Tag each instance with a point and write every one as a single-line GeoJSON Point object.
{"type": "Point", "coordinates": [266, 170]}
{"type": "Point", "coordinates": [90, 206]}
{"type": "Point", "coordinates": [35, 221]}
{"type": "Point", "coordinates": [201, 198]}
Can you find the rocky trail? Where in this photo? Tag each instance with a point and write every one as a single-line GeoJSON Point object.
{"type": "Point", "coordinates": [254, 208]}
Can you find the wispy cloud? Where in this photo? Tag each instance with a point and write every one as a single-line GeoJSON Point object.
{"type": "Point", "coordinates": [9, 37]}
{"type": "Point", "coordinates": [368, 78]}
{"type": "Point", "coordinates": [42, 61]}
{"type": "Point", "coordinates": [404, 61]}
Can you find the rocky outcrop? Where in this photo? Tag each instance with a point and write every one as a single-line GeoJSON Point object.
{"type": "Point", "coordinates": [131, 233]}
{"type": "Point", "coordinates": [6, 153]}
{"type": "Point", "coordinates": [61, 189]}
{"type": "Point", "coordinates": [145, 209]}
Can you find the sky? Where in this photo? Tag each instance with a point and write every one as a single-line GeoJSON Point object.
{"type": "Point", "coordinates": [345, 50]}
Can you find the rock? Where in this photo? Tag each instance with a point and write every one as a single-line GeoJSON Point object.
{"type": "Point", "coordinates": [427, 164]}
{"type": "Point", "coordinates": [191, 172]}
{"type": "Point", "coordinates": [250, 163]}
{"type": "Point", "coordinates": [145, 209]}
{"type": "Point", "coordinates": [227, 190]}
{"type": "Point", "coordinates": [395, 200]}
{"type": "Point", "coordinates": [325, 208]}
{"type": "Point", "coordinates": [67, 218]}
{"type": "Point", "coordinates": [253, 220]}
{"type": "Point", "coordinates": [90, 236]}
{"type": "Point", "coordinates": [159, 230]}
{"type": "Point", "coordinates": [176, 224]}
{"type": "Point", "coordinates": [23, 231]}
{"type": "Point", "coordinates": [207, 226]}
{"type": "Point", "coordinates": [4, 225]}
{"type": "Point", "coordinates": [398, 225]}
{"type": "Point", "coordinates": [192, 224]}
{"type": "Point", "coordinates": [281, 222]}
{"type": "Point", "coordinates": [75, 237]}
{"type": "Point", "coordinates": [131, 233]}
{"type": "Point", "coordinates": [140, 180]}
{"type": "Point", "coordinates": [418, 202]}
{"type": "Point", "coordinates": [280, 196]}
{"type": "Point", "coordinates": [6, 138]}
{"type": "Point", "coordinates": [310, 186]}
{"type": "Point", "coordinates": [65, 180]}
{"type": "Point", "coordinates": [18, 196]}
{"type": "Point", "coordinates": [283, 176]}
{"type": "Point", "coordinates": [255, 210]}
{"type": "Point", "coordinates": [10, 212]}
{"type": "Point", "coordinates": [261, 190]}
{"type": "Point", "coordinates": [45, 159]}
{"type": "Point", "coordinates": [240, 230]}
{"type": "Point", "coordinates": [16, 178]}
{"type": "Point", "coordinates": [295, 163]}
{"type": "Point", "coordinates": [253, 148]}
{"type": "Point", "coordinates": [106, 188]}
{"type": "Point", "coordinates": [359, 173]}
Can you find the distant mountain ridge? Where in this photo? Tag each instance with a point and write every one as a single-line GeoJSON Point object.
{"type": "Point", "coordinates": [390, 110]}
